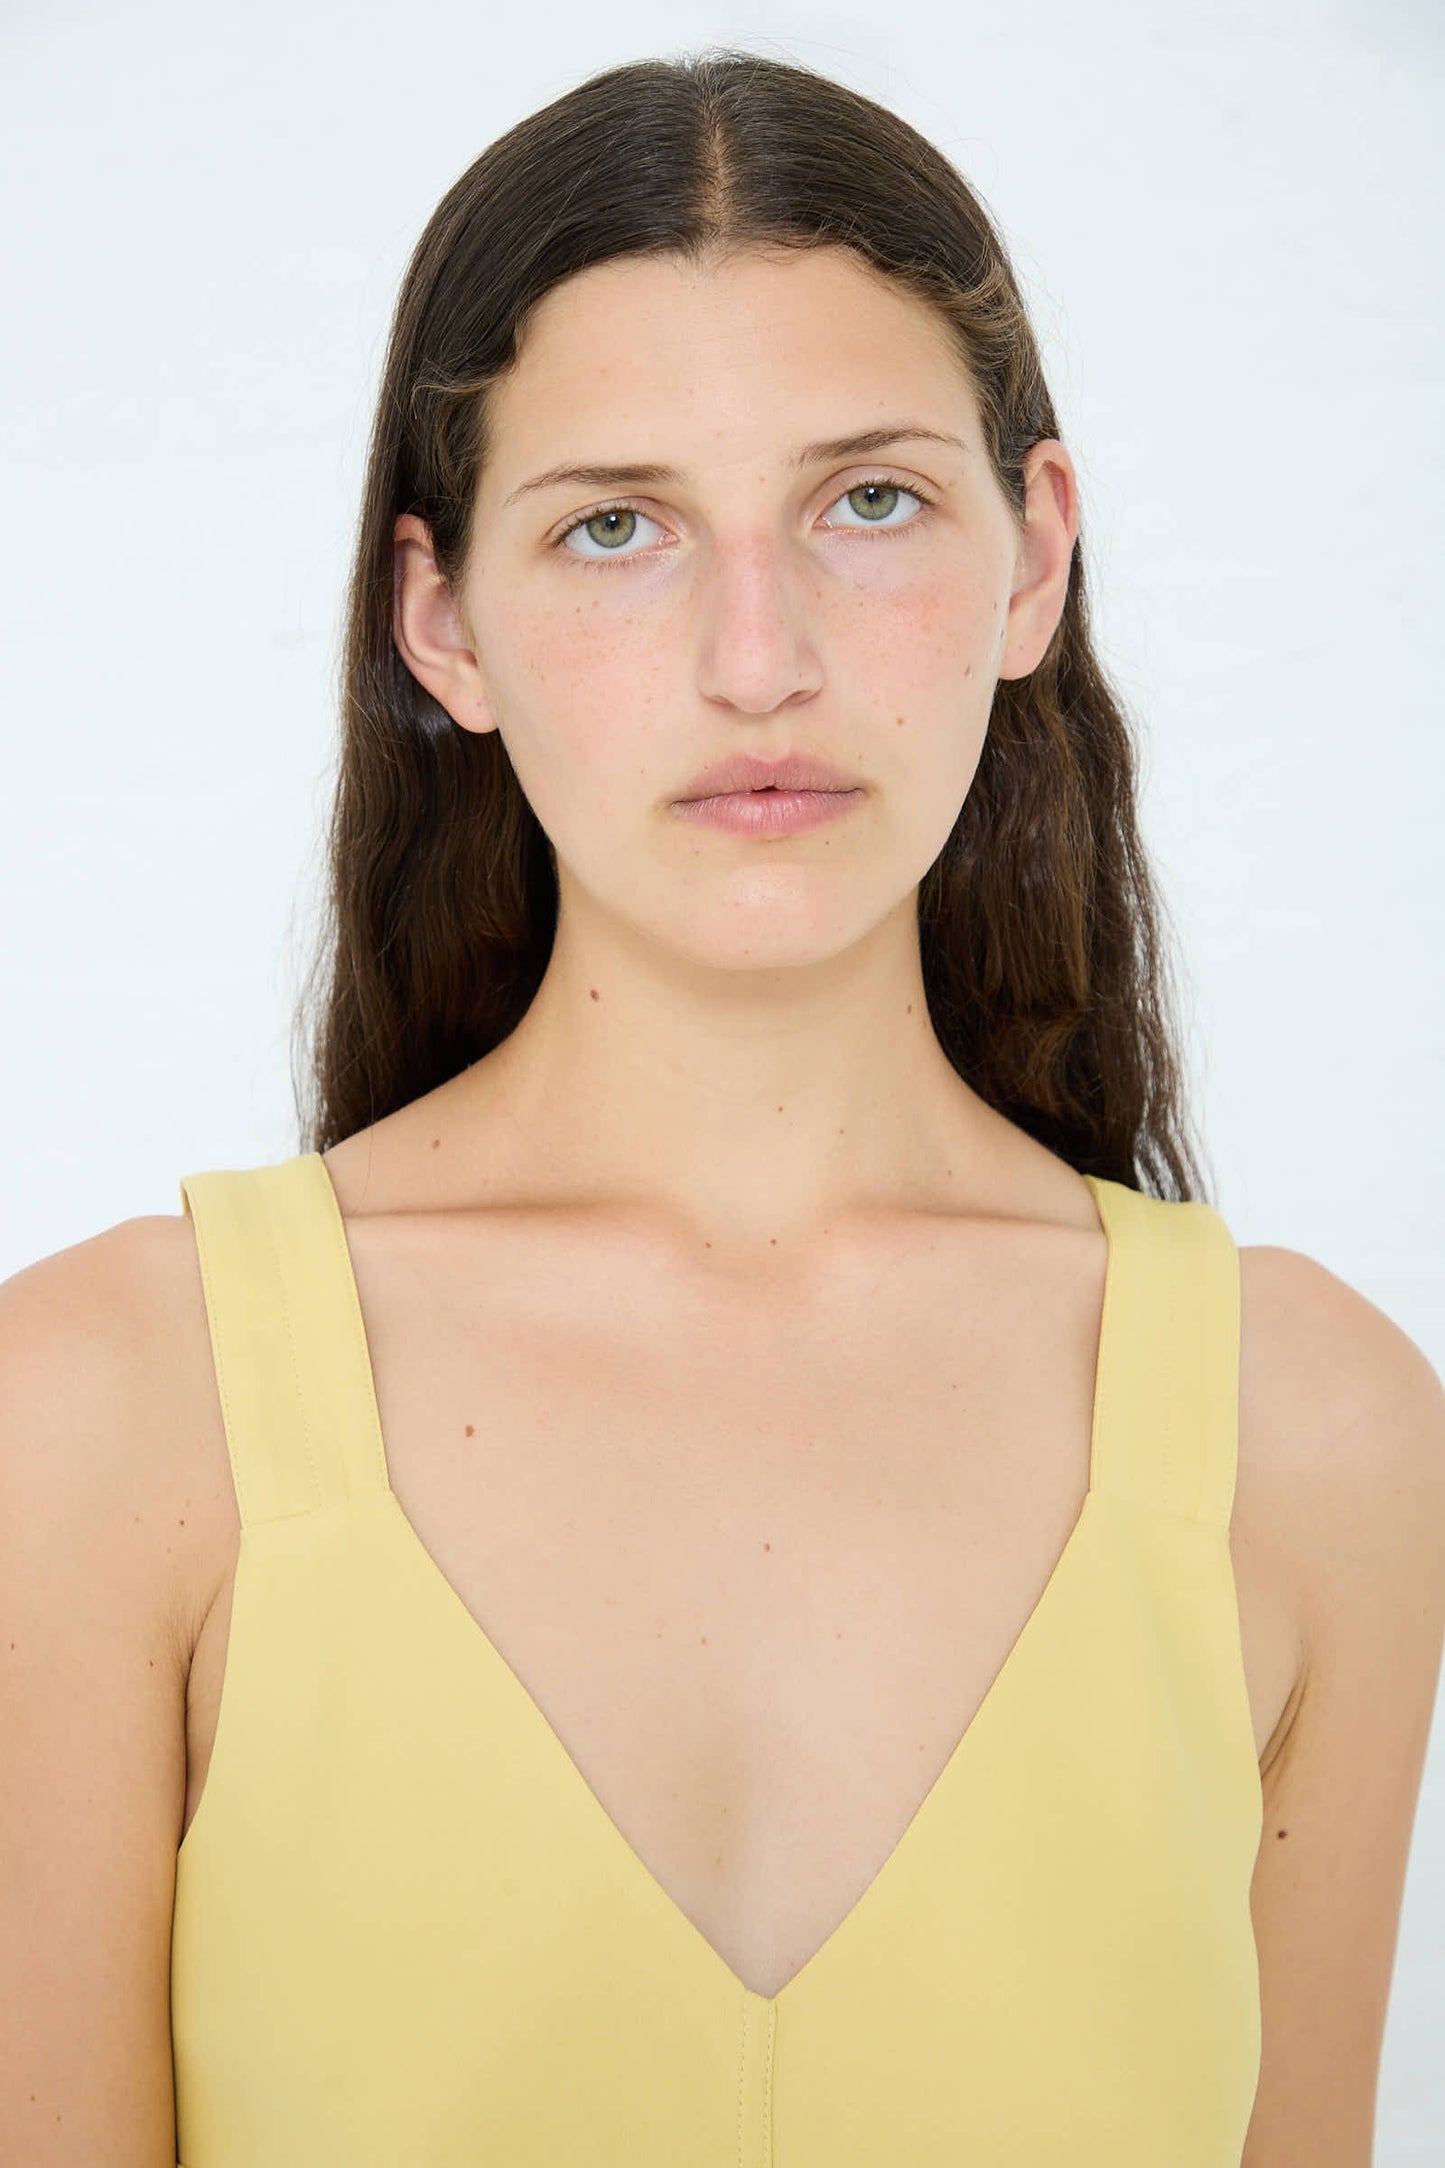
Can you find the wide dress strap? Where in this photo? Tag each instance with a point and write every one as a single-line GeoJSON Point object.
{"type": "Point", "coordinates": [1167, 1410]}
{"type": "Point", "coordinates": [287, 1337]}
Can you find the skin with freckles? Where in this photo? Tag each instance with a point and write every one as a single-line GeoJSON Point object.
{"type": "Point", "coordinates": [732, 1029]}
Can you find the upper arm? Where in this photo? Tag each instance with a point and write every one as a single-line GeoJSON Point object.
{"type": "Point", "coordinates": [93, 1661]}
{"type": "Point", "coordinates": [1351, 1418]}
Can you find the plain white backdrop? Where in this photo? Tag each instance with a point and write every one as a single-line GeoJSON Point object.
{"type": "Point", "coordinates": [1226, 220]}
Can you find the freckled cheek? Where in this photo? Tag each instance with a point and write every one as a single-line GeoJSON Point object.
{"type": "Point", "coordinates": [587, 685]}
{"type": "Point", "coordinates": [934, 635]}
{"type": "Point", "coordinates": [608, 665]}
{"type": "Point", "coordinates": [947, 621]}
{"type": "Point", "coordinates": [577, 637]}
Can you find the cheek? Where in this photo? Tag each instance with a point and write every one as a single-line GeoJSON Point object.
{"type": "Point", "coordinates": [580, 690]}
{"type": "Point", "coordinates": [927, 674]}
{"type": "Point", "coordinates": [918, 661]}
{"type": "Point", "coordinates": [932, 631]}
{"type": "Point", "coordinates": [582, 642]}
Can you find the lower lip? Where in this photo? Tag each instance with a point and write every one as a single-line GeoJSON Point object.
{"type": "Point", "coordinates": [769, 812]}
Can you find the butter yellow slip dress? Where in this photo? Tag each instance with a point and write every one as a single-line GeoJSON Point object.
{"type": "Point", "coordinates": [407, 1935]}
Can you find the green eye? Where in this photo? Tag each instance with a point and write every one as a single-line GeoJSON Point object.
{"type": "Point", "coordinates": [611, 526]}
{"type": "Point", "coordinates": [604, 519]}
{"type": "Point", "coordinates": [885, 487]}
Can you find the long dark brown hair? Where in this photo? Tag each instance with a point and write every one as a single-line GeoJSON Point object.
{"type": "Point", "coordinates": [1041, 934]}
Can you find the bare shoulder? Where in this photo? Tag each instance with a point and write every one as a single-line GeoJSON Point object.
{"type": "Point", "coordinates": [1348, 1415]}
{"type": "Point", "coordinates": [114, 1418]}
{"type": "Point", "coordinates": [103, 1481]}
{"type": "Point", "coordinates": [1343, 1416]}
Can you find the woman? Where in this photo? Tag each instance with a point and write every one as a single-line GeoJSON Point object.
{"type": "Point", "coordinates": [874, 1632]}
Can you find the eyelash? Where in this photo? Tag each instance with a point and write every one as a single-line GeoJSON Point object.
{"type": "Point", "coordinates": [867, 481]}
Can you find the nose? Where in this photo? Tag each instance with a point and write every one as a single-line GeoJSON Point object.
{"type": "Point", "coordinates": [756, 641]}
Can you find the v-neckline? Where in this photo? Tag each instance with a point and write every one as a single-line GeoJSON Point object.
{"type": "Point", "coordinates": [472, 1627]}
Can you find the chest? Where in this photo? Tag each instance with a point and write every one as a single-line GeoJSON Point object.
{"type": "Point", "coordinates": [757, 1555]}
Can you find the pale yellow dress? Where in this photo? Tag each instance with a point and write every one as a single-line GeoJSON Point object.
{"type": "Point", "coordinates": [407, 1935]}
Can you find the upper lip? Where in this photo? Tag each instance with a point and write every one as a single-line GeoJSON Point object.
{"type": "Point", "coordinates": [749, 771]}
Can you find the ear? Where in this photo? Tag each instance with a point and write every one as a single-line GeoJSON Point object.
{"type": "Point", "coordinates": [1051, 527]}
{"type": "Point", "coordinates": [427, 627]}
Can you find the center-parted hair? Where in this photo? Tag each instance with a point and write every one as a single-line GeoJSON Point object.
{"type": "Point", "coordinates": [1041, 931]}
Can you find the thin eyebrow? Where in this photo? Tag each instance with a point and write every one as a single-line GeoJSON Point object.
{"type": "Point", "coordinates": [637, 477]}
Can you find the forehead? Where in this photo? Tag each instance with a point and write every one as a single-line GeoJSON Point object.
{"type": "Point", "coordinates": [739, 357]}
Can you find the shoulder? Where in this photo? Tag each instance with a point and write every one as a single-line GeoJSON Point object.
{"type": "Point", "coordinates": [1347, 1413]}
{"type": "Point", "coordinates": [1342, 1431]}
{"type": "Point", "coordinates": [1342, 1436]}
{"type": "Point", "coordinates": [106, 1309]}
{"type": "Point", "coordinates": [112, 1435]}
{"type": "Point", "coordinates": [97, 1508]}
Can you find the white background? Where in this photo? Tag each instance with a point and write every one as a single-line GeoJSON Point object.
{"type": "Point", "coordinates": [1226, 219]}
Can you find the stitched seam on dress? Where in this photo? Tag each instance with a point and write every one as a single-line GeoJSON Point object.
{"type": "Point", "coordinates": [218, 1339]}
{"type": "Point", "coordinates": [1209, 1343]}
{"type": "Point", "coordinates": [768, 2078]}
{"type": "Point", "coordinates": [350, 1298]}
{"type": "Point", "coordinates": [1203, 1354]}
{"type": "Point", "coordinates": [319, 1497]}
{"type": "Point", "coordinates": [1103, 1359]}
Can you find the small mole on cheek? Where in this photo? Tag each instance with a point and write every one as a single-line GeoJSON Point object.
{"type": "Point", "coordinates": [1281, 1833]}
{"type": "Point", "coordinates": [470, 1428]}
{"type": "Point", "coordinates": [595, 995]}
{"type": "Point", "coordinates": [435, 1142]}
{"type": "Point", "coordinates": [899, 721]}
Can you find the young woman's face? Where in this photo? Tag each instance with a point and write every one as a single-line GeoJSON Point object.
{"type": "Point", "coordinates": [775, 592]}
